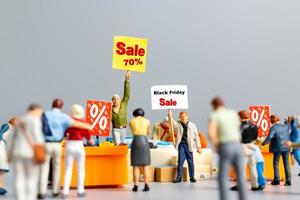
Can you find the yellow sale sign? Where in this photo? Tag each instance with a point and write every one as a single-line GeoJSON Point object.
{"type": "Point", "coordinates": [129, 53]}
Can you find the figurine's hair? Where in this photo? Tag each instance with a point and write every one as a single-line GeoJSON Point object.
{"type": "Point", "coordinates": [183, 112]}
{"type": "Point", "coordinates": [166, 119]}
{"type": "Point", "coordinates": [77, 111]}
{"type": "Point", "coordinates": [217, 102]}
{"type": "Point", "coordinates": [33, 107]}
{"type": "Point", "coordinates": [139, 112]}
{"type": "Point", "coordinates": [244, 114]}
{"type": "Point", "coordinates": [274, 118]}
{"type": "Point", "coordinates": [117, 96]}
{"type": "Point", "coordinates": [57, 103]}
{"type": "Point", "coordinates": [12, 120]}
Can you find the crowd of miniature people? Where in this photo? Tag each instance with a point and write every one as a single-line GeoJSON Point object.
{"type": "Point", "coordinates": [231, 133]}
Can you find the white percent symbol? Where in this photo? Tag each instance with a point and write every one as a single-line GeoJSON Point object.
{"type": "Point", "coordinates": [98, 116]}
{"type": "Point", "coordinates": [259, 119]}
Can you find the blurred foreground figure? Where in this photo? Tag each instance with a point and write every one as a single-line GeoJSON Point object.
{"type": "Point", "coordinates": [55, 123]}
{"type": "Point", "coordinates": [5, 130]}
{"type": "Point", "coordinates": [278, 136]}
{"type": "Point", "coordinates": [295, 137]}
{"type": "Point", "coordinates": [22, 154]}
{"type": "Point", "coordinates": [290, 144]}
{"type": "Point", "coordinates": [224, 132]}
{"type": "Point", "coordinates": [75, 150]}
{"type": "Point", "coordinates": [260, 165]}
{"type": "Point", "coordinates": [249, 133]}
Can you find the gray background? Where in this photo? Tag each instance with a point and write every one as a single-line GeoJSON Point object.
{"type": "Point", "coordinates": [246, 51]}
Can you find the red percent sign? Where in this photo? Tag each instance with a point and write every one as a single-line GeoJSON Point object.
{"type": "Point", "coordinates": [98, 115]}
{"type": "Point", "coordinates": [260, 116]}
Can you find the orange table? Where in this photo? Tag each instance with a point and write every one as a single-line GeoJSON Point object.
{"type": "Point", "coordinates": [268, 172]}
{"type": "Point", "coordinates": [104, 166]}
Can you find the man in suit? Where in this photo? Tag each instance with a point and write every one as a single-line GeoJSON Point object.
{"type": "Point", "coordinates": [187, 139]}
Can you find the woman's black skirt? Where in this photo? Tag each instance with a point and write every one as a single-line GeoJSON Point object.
{"type": "Point", "coordinates": [140, 151]}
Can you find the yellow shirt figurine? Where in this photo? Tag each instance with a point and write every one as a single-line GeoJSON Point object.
{"type": "Point", "coordinates": [140, 148]}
